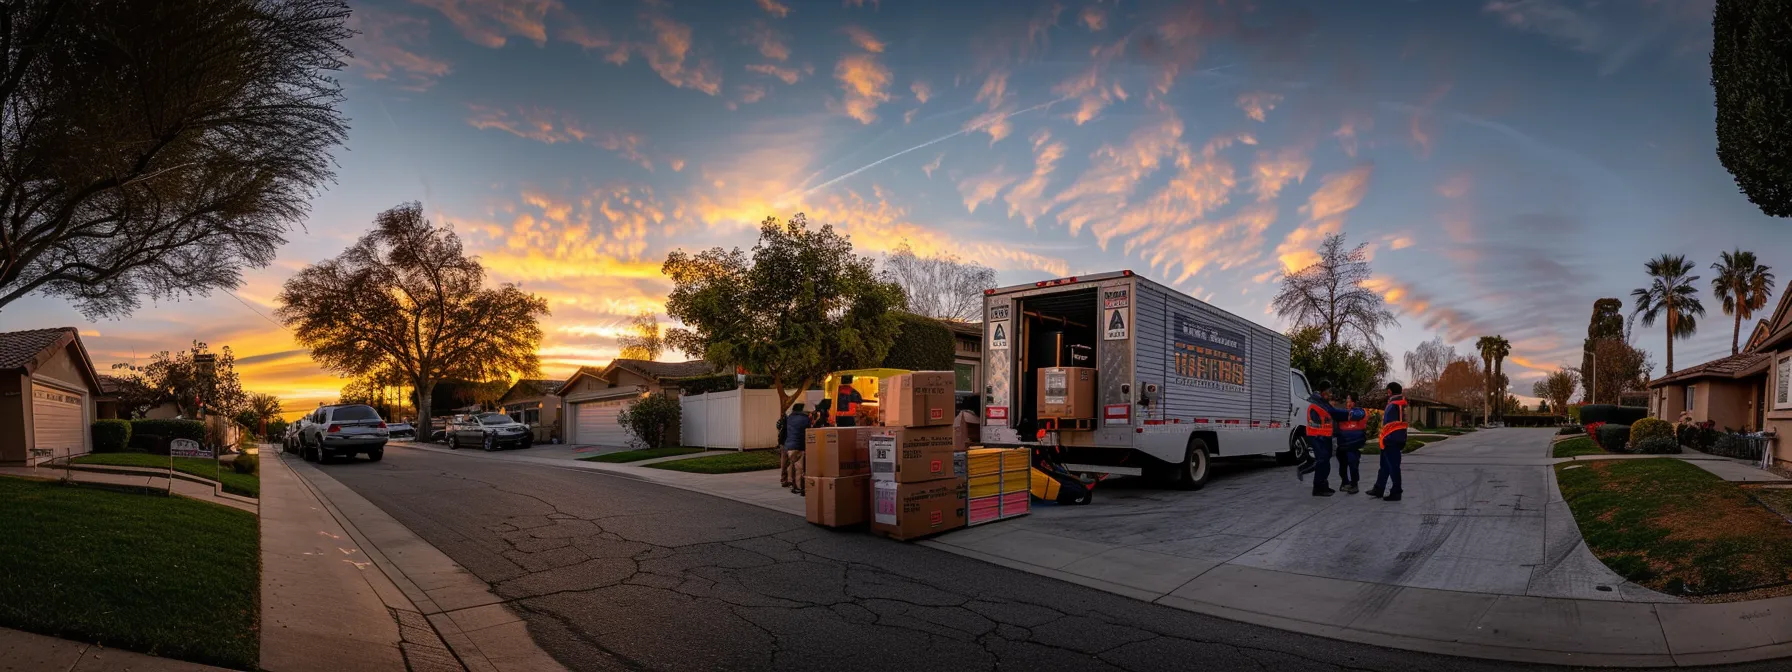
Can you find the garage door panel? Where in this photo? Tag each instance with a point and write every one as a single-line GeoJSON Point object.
{"type": "Point", "coordinates": [57, 420]}
{"type": "Point", "coordinates": [595, 424]}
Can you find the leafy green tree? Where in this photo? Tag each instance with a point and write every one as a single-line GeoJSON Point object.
{"type": "Point", "coordinates": [1671, 294]}
{"type": "Point", "coordinates": [1331, 294]}
{"type": "Point", "coordinates": [650, 420]}
{"type": "Point", "coordinates": [1750, 57]}
{"type": "Point", "coordinates": [1352, 368]}
{"type": "Point", "coordinates": [642, 340]}
{"type": "Point", "coordinates": [156, 148]}
{"type": "Point", "coordinates": [1743, 286]}
{"type": "Point", "coordinates": [407, 298]}
{"type": "Point", "coordinates": [196, 380]}
{"type": "Point", "coordinates": [802, 306]}
{"type": "Point", "coordinates": [261, 409]}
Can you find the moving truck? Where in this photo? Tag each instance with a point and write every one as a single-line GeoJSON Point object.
{"type": "Point", "coordinates": [1175, 382]}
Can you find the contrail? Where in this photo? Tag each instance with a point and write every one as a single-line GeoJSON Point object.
{"type": "Point", "coordinates": [923, 145]}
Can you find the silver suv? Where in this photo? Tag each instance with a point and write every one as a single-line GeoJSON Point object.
{"type": "Point", "coordinates": [332, 431]}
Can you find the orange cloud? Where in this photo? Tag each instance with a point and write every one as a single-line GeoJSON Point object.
{"type": "Point", "coordinates": [787, 75]}
{"type": "Point", "coordinates": [1257, 105]}
{"type": "Point", "coordinates": [865, 83]}
{"type": "Point", "coordinates": [775, 8]}
{"type": "Point", "coordinates": [668, 52]}
{"type": "Point", "coordinates": [983, 188]}
{"type": "Point", "coordinates": [864, 39]}
{"type": "Point", "coordinates": [1348, 132]}
{"type": "Point", "coordinates": [384, 50]}
{"type": "Point", "coordinates": [933, 165]}
{"type": "Point", "coordinates": [1092, 93]}
{"type": "Point", "coordinates": [921, 90]}
{"type": "Point", "coordinates": [993, 122]}
{"type": "Point", "coordinates": [1184, 249]}
{"type": "Point", "coordinates": [490, 23]}
{"type": "Point", "coordinates": [538, 124]}
{"type": "Point", "coordinates": [1094, 17]}
{"type": "Point", "coordinates": [1338, 193]}
{"type": "Point", "coordinates": [1201, 185]}
{"type": "Point", "coordinates": [1274, 170]}
{"type": "Point", "coordinates": [1296, 251]}
{"type": "Point", "coordinates": [1027, 198]}
{"type": "Point", "coordinates": [768, 41]}
{"type": "Point", "coordinates": [994, 90]}
{"type": "Point", "coordinates": [1116, 170]}
{"type": "Point", "coordinates": [1455, 187]}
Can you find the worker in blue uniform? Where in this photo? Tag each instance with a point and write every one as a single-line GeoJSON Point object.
{"type": "Point", "coordinates": [1393, 443]}
{"type": "Point", "coordinates": [1322, 419]}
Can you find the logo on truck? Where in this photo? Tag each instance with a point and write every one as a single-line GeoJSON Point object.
{"type": "Point", "coordinates": [1208, 356]}
{"type": "Point", "coordinates": [1116, 303]}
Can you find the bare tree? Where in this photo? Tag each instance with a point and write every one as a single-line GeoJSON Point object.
{"type": "Point", "coordinates": [406, 297]}
{"type": "Point", "coordinates": [642, 340]}
{"type": "Point", "coordinates": [1558, 388]}
{"type": "Point", "coordinates": [1426, 364]}
{"type": "Point", "coordinates": [940, 286]}
{"type": "Point", "coordinates": [1329, 294]}
{"type": "Point", "coordinates": [154, 149]}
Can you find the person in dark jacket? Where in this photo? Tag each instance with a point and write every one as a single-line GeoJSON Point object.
{"type": "Point", "coordinates": [846, 403]}
{"type": "Point", "coordinates": [1393, 443]}
{"type": "Point", "coordinates": [1322, 419]}
{"type": "Point", "coordinates": [790, 462]}
{"type": "Point", "coordinates": [1352, 436]}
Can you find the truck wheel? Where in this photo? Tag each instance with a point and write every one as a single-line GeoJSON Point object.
{"type": "Point", "coordinates": [1297, 451]}
{"type": "Point", "coordinates": [1192, 474]}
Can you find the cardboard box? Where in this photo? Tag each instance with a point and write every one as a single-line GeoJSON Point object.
{"type": "Point", "coordinates": [837, 502]}
{"type": "Point", "coordinates": [1067, 392]}
{"type": "Point", "coordinates": [837, 452]}
{"type": "Point", "coordinates": [915, 454]}
{"type": "Point", "coordinates": [919, 399]}
{"type": "Point", "coordinates": [967, 429]}
{"type": "Point", "coordinates": [911, 510]}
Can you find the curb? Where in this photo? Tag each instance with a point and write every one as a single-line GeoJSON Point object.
{"type": "Point", "coordinates": [217, 488]}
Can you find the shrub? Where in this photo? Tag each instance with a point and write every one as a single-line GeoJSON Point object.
{"type": "Point", "coordinates": [720, 382]}
{"type": "Point", "coordinates": [1570, 429]}
{"type": "Point", "coordinates": [1373, 417]}
{"type": "Point", "coordinates": [1648, 428]}
{"type": "Point", "coordinates": [1594, 413]}
{"type": "Point", "coordinates": [111, 436]}
{"type": "Point", "coordinates": [245, 464]}
{"type": "Point", "coordinates": [649, 419]}
{"type": "Point", "coordinates": [922, 344]}
{"type": "Point", "coordinates": [170, 429]}
{"type": "Point", "coordinates": [1658, 444]}
{"type": "Point", "coordinates": [1593, 432]}
{"type": "Point", "coordinates": [1614, 438]}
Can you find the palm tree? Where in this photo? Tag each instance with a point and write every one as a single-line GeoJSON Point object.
{"type": "Point", "coordinates": [1486, 346]}
{"type": "Point", "coordinates": [1743, 286]}
{"type": "Point", "coordinates": [1501, 348]}
{"type": "Point", "coordinates": [1670, 293]}
{"type": "Point", "coordinates": [264, 406]}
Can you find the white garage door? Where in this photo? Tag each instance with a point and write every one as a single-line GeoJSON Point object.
{"type": "Point", "coordinates": [56, 420]}
{"type": "Point", "coordinates": [595, 424]}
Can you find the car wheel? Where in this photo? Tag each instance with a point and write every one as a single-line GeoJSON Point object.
{"type": "Point", "coordinates": [452, 444]}
{"type": "Point", "coordinates": [1297, 451]}
{"type": "Point", "coordinates": [491, 443]}
{"type": "Point", "coordinates": [324, 456]}
{"type": "Point", "coordinates": [1192, 474]}
{"type": "Point", "coordinates": [375, 454]}
{"type": "Point", "coordinates": [306, 453]}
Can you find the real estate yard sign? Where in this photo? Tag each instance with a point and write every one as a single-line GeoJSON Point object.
{"type": "Point", "coordinates": [187, 448]}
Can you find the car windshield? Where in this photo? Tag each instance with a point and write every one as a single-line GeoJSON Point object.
{"type": "Point", "coordinates": [354, 413]}
{"type": "Point", "coordinates": [494, 419]}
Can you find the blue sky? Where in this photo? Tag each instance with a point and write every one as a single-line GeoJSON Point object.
{"type": "Point", "coordinates": [1509, 162]}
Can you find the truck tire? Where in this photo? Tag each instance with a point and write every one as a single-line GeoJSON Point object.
{"type": "Point", "coordinates": [1196, 467]}
{"type": "Point", "coordinates": [1297, 450]}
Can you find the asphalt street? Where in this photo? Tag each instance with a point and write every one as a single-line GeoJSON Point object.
{"type": "Point", "coordinates": [615, 573]}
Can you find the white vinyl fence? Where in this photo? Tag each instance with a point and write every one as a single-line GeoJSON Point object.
{"type": "Point", "coordinates": [733, 420]}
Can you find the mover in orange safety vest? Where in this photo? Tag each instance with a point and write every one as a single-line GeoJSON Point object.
{"type": "Point", "coordinates": [1393, 443]}
{"type": "Point", "coordinates": [1322, 419]}
{"type": "Point", "coordinates": [846, 404]}
{"type": "Point", "coordinates": [1352, 435]}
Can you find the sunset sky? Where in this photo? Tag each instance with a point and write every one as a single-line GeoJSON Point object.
{"type": "Point", "coordinates": [1509, 162]}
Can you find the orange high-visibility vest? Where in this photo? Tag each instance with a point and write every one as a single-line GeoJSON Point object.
{"type": "Point", "coordinates": [1391, 426]}
{"type": "Point", "coordinates": [1354, 425]}
{"type": "Point", "coordinates": [1319, 421]}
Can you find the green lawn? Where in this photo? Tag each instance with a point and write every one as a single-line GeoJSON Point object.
{"type": "Point", "coordinates": [1411, 445]}
{"type": "Point", "coordinates": [1676, 528]}
{"type": "Point", "coordinates": [1778, 499]}
{"type": "Point", "coordinates": [746, 460]}
{"type": "Point", "coordinates": [247, 485]}
{"type": "Point", "coordinates": [168, 576]}
{"type": "Point", "coordinates": [638, 455]}
{"type": "Point", "coordinates": [1577, 447]}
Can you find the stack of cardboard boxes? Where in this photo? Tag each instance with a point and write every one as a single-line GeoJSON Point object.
{"type": "Point", "coordinates": [1000, 479]}
{"type": "Point", "coordinates": [918, 459]}
{"type": "Point", "coordinates": [837, 487]}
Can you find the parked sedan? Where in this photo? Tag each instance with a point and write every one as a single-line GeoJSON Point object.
{"type": "Point", "coordinates": [401, 430]}
{"type": "Point", "coordinates": [490, 431]}
{"type": "Point", "coordinates": [342, 430]}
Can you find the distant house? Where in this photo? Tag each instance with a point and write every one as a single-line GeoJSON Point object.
{"type": "Point", "coordinates": [594, 396]}
{"type": "Point", "coordinates": [1751, 390]}
{"type": "Point", "coordinates": [536, 403]}
{"type": "Point", "coordinates": [48, 388]}
{"type": "Point", "coordinates": [1424, 411]}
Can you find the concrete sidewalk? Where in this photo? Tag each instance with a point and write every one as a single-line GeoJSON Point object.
{"type": "Point", "coordinates": [437, 603]}
{"type": "Point", "coordinates": [149, 479]}
{"type": "Point", "coordinates": [27, 652]}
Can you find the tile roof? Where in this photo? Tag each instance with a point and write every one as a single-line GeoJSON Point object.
{"type": "Point", "coordinates": [1733, 366]}
{"type": "Point", "coordinates": [18, 349]}
{"type": "Point", "coordinates": [665, 370]}
{"type": "Point", "coordinates": [533, 387]}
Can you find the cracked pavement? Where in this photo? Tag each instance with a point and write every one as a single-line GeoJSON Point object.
{"type": "Point", "coordinates": [615, 573]}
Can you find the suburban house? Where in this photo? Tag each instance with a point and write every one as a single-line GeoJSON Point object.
{"type": "Point", "coordinates": [47, 395]}
{"type": "Point", "coordinates": [967, 357]}
{"type": "Point", "coordinates": [1424, 411]}
{"type": "Point", "coordinates": [593, 396]}
{"type": "Point", "coordinates": [536, 403]}
{"type": "Point", "coordinates": [1750, 391]}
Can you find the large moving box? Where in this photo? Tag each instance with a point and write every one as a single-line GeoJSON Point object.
{"type": "Point", "coordinates": [915, 454]}
{"type": "Point", "coordinates": [910, 510]}
{"type": "Point", "coordinates": [836, 452]}
{"type": "Point", "coordinates": [920, 399]}
{"type": "Point", "coordinates": [1067, 392]}
{"type": "Point", "coordinates": [837, 502]}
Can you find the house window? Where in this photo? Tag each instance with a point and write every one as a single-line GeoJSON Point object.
{"type": "Point", "coordinates": [967, 377]}
{"type": "Point", "coordinates": [531, 416]}
{"type": "Point", "coordinates": [1691, 392]}
{"type": "Point", "coordinates": [1782, 385]}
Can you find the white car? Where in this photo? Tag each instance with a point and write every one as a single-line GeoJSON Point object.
{"type": "Point", "coordinates": [344, 430]}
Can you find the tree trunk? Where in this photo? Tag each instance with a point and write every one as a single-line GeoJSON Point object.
{"type": "Point", "coordinates": [1670, 339]}
{"type": "Point", "coordinates": [1736, 333]}
{"type": "Point", "coordinates": [423, 419]}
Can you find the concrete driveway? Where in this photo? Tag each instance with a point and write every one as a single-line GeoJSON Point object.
{"type": "Point", "coordinates": [1480, 515]}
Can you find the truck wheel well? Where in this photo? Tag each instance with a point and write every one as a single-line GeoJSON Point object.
{"type": "Point", "coordinates": [1208, 437]}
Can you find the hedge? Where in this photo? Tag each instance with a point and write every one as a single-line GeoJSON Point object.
{"type": "Point", "coordinates": [720, 382]}
{"type": "Point", "coordinates": [922, 344]}
{"type": "Point", "coordinates": [111, 436]}
{"type": "Point", "coordinates": [1649, 428]}
{"type": "Point", "coordinates": [1658, 444]}
{"type": "Point", "coordinates": [1608, 413]}
{"type": "Point", "coordinates": [1614, 438]}
{"type": "Point", "coordinates": [170, 429]}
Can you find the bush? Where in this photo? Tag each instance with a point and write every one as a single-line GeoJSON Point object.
{"type": "Point", "coordinates": [1373, 417]}
{"type": "Point", "coordinates": [111, 436]}
{"type": "Point", "coordinates": [1657, 445]}
{"type": "Point", "coordinates": [170, 429]}
{"type": "Point", "coordinates": [1614, 438]}
{"type": "Point", "coordinates": [922, 344]}
{"type": "Point", "coordinates": [1570, 429]}
{"type": "Point", "coordinates": [1648, 428]}
{"type": "Point", "coordinates": [245, 464]}
{"type": "Point", "coordinates": [649, 419]}
{"type": "Point", "coordinates": [1593, 432]}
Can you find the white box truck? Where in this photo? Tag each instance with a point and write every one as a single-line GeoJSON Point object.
{"type": "Point", "coordinates": [1178, 382]}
